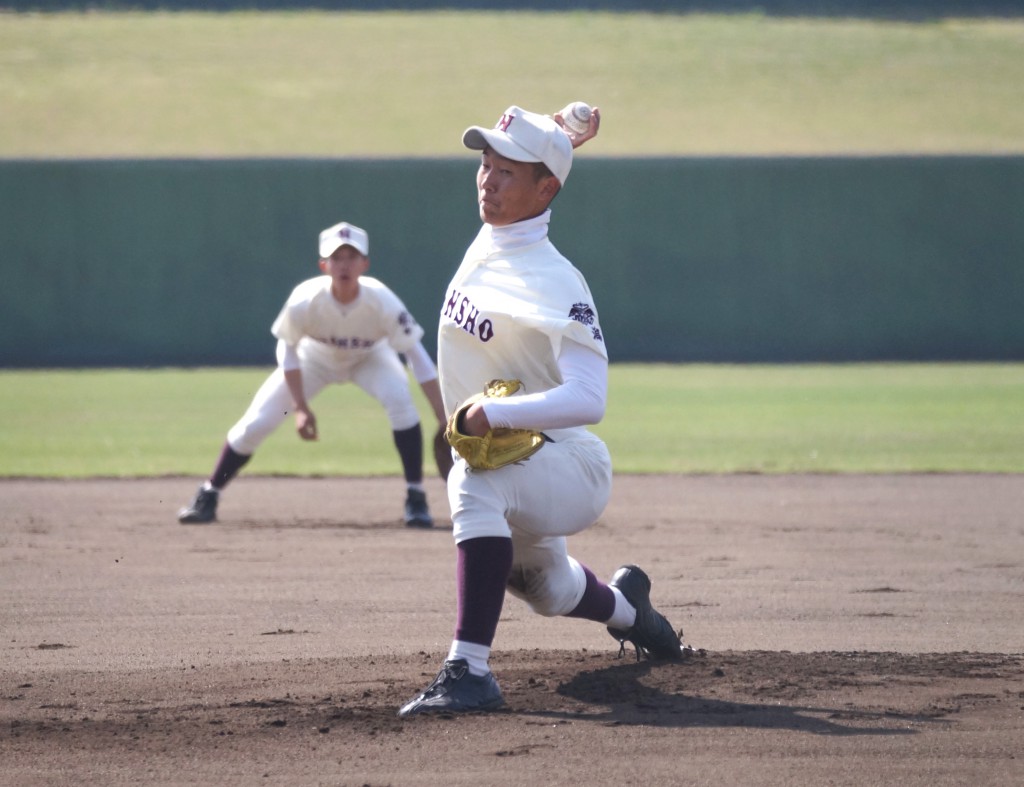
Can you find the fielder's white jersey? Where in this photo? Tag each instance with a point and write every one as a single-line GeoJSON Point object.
{"type": "Point", "coordinates": [313, 318]}
{"type": "Point", "coordinates": [511, 303]}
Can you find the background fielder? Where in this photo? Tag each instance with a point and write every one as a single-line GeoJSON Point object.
{"type": "Point", "coordinates": [340, 327]}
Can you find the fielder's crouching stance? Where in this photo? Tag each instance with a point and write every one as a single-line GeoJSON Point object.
{"type": "Point", "coordinates": [523, 369]}
{"type": "Point", "coordinates": [340, 327]}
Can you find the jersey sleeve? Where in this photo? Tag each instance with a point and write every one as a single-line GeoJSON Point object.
{"type": "Point", "coordinates": [400, 327]}
{"type": "Point", "coordinates": [579, 401]}
{"type": "Point", "coordinates": [566, 310]}
{"type": "Point", "coordinates": [423, 368]}
{"type": "Point", "coordinates": [290, 325]}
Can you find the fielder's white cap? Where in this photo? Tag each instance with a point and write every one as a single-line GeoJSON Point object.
{"type": "Point", "coordinates": [525, 136]}
{"type": "Point", "coordinates": [344, 234]}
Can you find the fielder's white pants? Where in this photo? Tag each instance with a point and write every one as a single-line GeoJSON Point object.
{"type": "Point", "coordinates": [380, 373]}
{"type": "Point", "coordinates": [560, 490]}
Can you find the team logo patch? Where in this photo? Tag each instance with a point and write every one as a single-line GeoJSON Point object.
{"type": "Point", "coordinates": [581, 312]}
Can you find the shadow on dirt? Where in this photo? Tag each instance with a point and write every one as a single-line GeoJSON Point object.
{"type": "Point", "coordinates": [633, 698]}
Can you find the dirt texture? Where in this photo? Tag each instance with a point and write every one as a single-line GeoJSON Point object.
{"type": "Point", "coordinates": [845, 630]}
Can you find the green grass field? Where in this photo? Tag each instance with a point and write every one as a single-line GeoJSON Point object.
{"type": "Point", "coordinates": [397, 84]}
{"type": "Point", "coordinates": [661, 419]}
{"type": "Point", "coordinates": [405, 84]}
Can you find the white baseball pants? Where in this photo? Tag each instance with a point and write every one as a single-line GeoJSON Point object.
{"type": "Point", "coordinates": [380, 374]}
{"type": "Point", "coordinates": [560, 490]}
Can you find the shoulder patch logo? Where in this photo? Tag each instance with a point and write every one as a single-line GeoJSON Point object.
{"type": "Point", "coordinates": [582, 312]}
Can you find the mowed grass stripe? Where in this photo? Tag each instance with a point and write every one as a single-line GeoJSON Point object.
{"type": "Point", "coordinates": [885, 418]}
{"type": "Point", "coordinates": [406, 84]}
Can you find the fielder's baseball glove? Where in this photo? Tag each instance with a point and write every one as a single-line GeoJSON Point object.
{"type": "Point", "coordinates": [500, 446]}
{"type": "Point", "coordinates": [442, 454]}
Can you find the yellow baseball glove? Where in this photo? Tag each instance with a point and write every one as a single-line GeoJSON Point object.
{"type": "Point", "coordinates": [500, 446]}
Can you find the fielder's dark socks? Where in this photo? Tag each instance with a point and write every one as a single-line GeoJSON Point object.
{"type": "Point", "coordinates": [598, 602]}
{"type": "Point", "coordinates": [481, 573]}
{"type": "Point", "coordinates": [228, 465]}
{"type": "Point", "coordinates": [409, 443]}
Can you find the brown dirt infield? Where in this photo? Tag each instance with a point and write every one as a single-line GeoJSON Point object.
{"type": "Point", "coordinates": [854, 630]}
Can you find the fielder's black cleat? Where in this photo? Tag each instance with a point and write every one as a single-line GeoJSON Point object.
{"type": "Point", "coordinates": [203, 509]}
{"type": "Point", "coordinates": [651, 633]}
{"type": "Point", "coordinates": [416, 512]}
{"type": "Point", "coordinates": [455, 690]}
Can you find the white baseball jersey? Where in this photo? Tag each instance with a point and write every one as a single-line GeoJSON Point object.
{"type": "Point", "coordinates": [345, 332]}
{"type": "Point", "coordinates": [510, 305]}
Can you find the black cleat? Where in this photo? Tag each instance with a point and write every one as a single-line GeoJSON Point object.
{"type": "Point", "coordinates": [651, 633]}
{"type": "Point", "coordinates": [416, 512]}
{"type": "Point", "coordinates": [201, 510]}
{"type": "Point", "coordinates": [455, 690]}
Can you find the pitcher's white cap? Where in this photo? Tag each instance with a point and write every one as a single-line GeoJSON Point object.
{"type": "Point", "coordinates": [525, 136]}
{"type": "Point", "coordinates": [344, 234]}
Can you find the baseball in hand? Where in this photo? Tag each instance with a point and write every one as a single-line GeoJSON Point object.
{"type": "Point", "coordinates": [576, 117]}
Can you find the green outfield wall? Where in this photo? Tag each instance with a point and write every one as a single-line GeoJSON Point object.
{"type": "Point", "coordinates": [906, 9]}
{"type": "Point", "coordinates": [187, 262]}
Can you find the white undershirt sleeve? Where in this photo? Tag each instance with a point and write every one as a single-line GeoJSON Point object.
{"type": "Point", "coordinates": [423, 368]}
{"type": "Point", "coordinates": [580, 399]}
{"type": "Point", "coordinates": [287, 356]}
